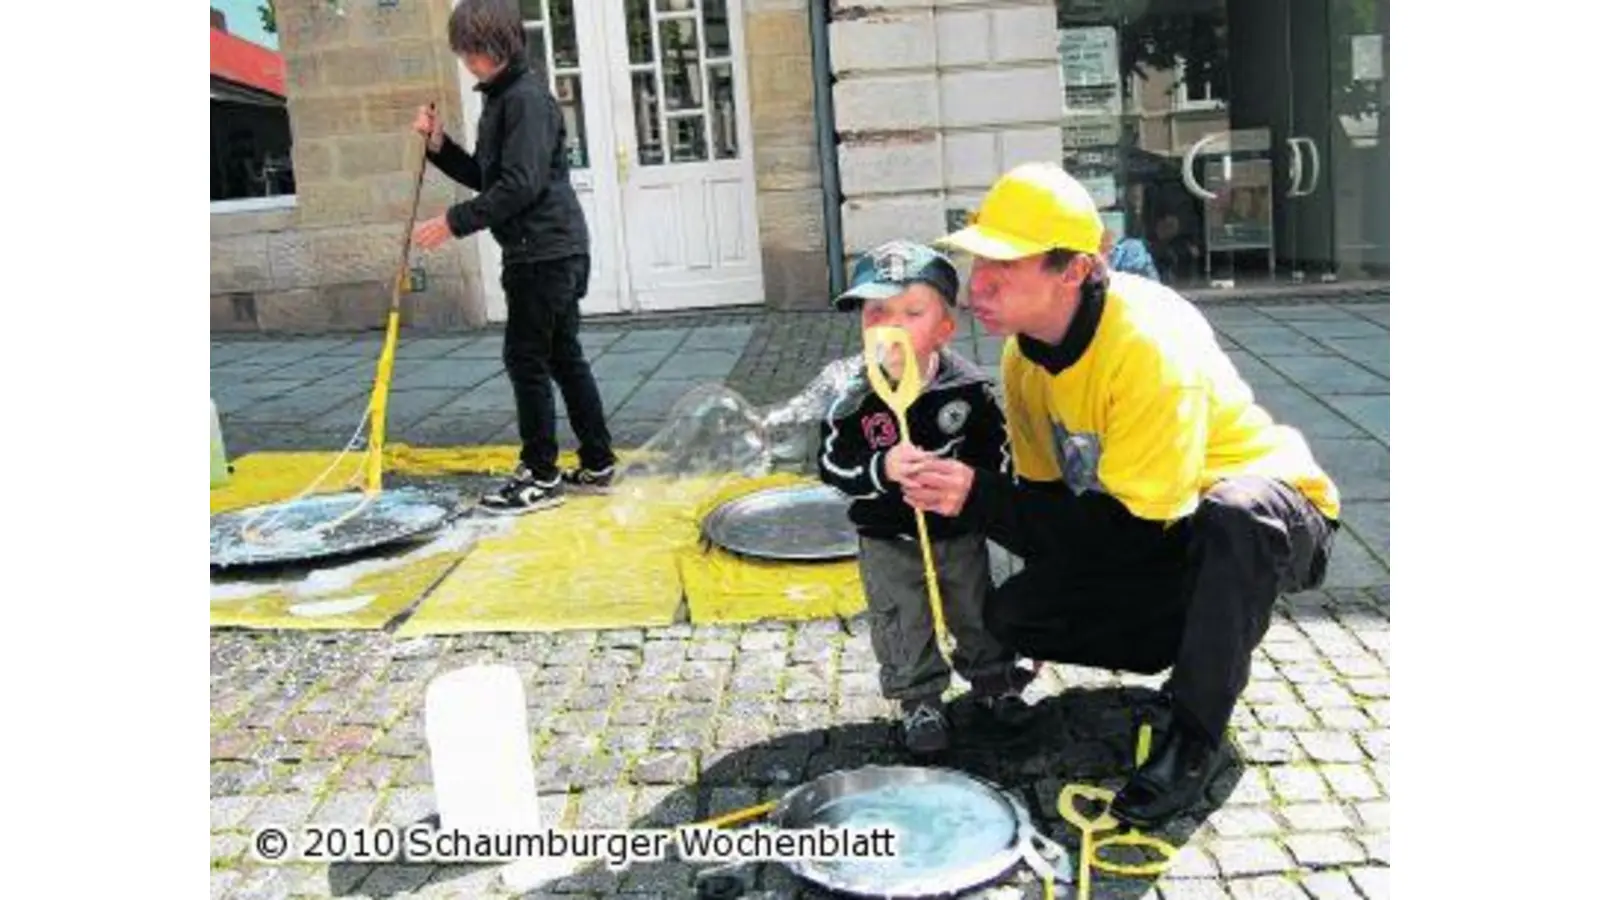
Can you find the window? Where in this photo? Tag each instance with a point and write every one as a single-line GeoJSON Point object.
{"type": "Point", "coordinates": [251, 166]}
{"type": "Point", "coordinates": [1193, 93]}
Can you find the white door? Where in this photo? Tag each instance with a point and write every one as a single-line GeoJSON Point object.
{"type": "Point", "coordinates": [565, 45]}
{"type": "Point", "coordinates": [657, 108]}
{"type": "Point", "coordinates": [681, 104]}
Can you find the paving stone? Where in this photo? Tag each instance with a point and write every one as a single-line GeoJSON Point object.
{"type": "Point", "coordinates": [669, 767]}
{"type": "Point", "coordinates": [230, 812]}
{"type": "Point", "coordinates": [1192, 862]}
{"type": "Point", "coordinates": [264, 883]}
{"type": "Point", "coordinates": [1191, 890]}
{"type": "Point", "coordinates": [1273, 887]}
{"type": "Point", "coordinates": [1250, 856]}
{"type": "Point", "coordinates": [1283, 715]}
{"type": "Point", "coordinates": [1344, 718]}
{"type": "Point", "coordinates": [390, 879]}
{"type": "Point", "coordinates": [1330, 886]}
{"type": "Point", "coordinates": [1324, 850]}
{"type": "Point", "coordinates": [1297, 783]}
{"type": "Point", "coordinates": [1351, 782]}
{"type": "Point", "coordinates": [349, 808]}
{"type": "Point", "coordinates": [1245, 821]}
{"type": "Point", "coordinates": [406, 806]}
{"type": "Point", "coordinates": [604, 807]}
{"type": "Point", "coordinates": [1251, 788]}
{"type": "Point", "coordinates": [1370, 688]}
{"type": "Point", "coordinates": [1374, 814]}
{"type": "Point", "coordinates": [1330, 747]}
{"type": "Point", "coordinates": [1375, 847]}
{"type": "Point", "coordinates": [1373, 883]}
{"type": "Point", "coordinates": [283, 810]}
{"type": "Point", "coordinates": [1268, 747]}
{"type": "Point", "coordinates": [1322, 696]}
{"type": "Point", "coordinates": [1316, 817]}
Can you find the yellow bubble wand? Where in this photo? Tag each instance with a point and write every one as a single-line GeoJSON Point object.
{"type": "Point", "coordinates": [899, 397]}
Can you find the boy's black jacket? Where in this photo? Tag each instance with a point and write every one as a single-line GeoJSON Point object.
{"type": "Point", "coordinates": [957, 417]}
{"type": "Point", "coordinates": [525, 197]}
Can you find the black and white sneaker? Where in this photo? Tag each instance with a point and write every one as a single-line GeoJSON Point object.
{"type": "Point", "coordinates": [523, 493]}
{"type": "Point", "coordinates": [924, 728]}
{"type": "Point", "coordinates": [589, 481]}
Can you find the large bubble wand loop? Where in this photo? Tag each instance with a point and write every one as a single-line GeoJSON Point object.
{"type": "Point", "coordinates": [899, 397]}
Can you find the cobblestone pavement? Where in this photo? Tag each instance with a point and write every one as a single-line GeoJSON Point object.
{"type": "Point", "coordinates": [669, 725]}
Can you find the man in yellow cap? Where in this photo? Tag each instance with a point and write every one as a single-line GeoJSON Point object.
{"type": "Point", "coordinates": [1158, 510]}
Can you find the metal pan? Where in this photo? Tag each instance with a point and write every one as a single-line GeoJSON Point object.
{"type": "Point", "coordinates": [808, 523]}
{"type": "Point", "coordinates": [957, 832]}
{"type": "Point", "coordinates": [296, 531]}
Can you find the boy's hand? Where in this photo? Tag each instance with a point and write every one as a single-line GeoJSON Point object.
{"type": "Point", "coordinates": [432, 233]}
{"type": "Point", "coordinates": [939, 486]}
{"type": "Point", "coordinates": [428, 125]}
{"type": "Point", "coordinates": [901, 461]}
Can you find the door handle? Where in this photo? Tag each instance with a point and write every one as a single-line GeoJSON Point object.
{"type": "Point", "coordinates": [1297, 167]}
{"type": "Point", "coordinates": [622, 165]}
{"type": "Point", "coordinates": [1189, 180]}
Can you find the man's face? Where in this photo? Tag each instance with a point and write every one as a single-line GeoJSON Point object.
{"type": "Point", "coordinates": [1009, 296]}
{"type": "Point", "coordinates": [921, 312]}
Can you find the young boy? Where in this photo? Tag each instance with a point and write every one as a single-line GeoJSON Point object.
{"type": "Point", "coordinates": [526, 200]}
{"type": "Point", "coordinates": [911, 287]}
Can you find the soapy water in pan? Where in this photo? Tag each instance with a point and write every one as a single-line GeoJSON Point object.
{"type": "Point", "coordinates": [941, 828]}
{"type": "Point", "coordinates": [324, 525]}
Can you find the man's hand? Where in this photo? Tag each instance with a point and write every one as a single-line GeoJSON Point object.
{"type": "Point", "coordinates": [937, 485]}
{"type": "Point", "coordinates": [432, 233]}
{"type": "Point", "coordinates": [428, 125]}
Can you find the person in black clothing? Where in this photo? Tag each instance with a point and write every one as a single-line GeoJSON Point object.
{"type": "Point", "coordinates": [527, 202]}
{"type": "Point", "coordinates": [957, 416]}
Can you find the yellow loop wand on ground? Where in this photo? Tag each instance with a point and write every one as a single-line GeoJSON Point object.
{"type": "Point", "coordinates": [899, 397]}
{"type": "Point", "coordinates": [1089, 846]}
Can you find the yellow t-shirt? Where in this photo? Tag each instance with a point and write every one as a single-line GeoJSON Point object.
{"type": "Point", "coordinates": [1153, 412]}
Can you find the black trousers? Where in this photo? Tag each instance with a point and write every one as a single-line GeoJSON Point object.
{"type": "Point", "coordinates": [542, 344]}
{"type": "Point", "coordinates": [1200, 607]}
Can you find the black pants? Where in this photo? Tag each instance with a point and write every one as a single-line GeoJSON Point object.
{"type": "Point", "coordinates": [542, 343]}
{"type": "Point", "coordinates": [1201, 608]}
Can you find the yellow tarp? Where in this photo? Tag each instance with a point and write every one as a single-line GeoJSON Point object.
{"type": "Point", "coordinates": [368, 603]}
{"type": "Point", "coordinates": [629, 560]}
{"type": "Point", "coordinates": [593, 562]}
{"type": "Point", "coordinates": [722, 587]}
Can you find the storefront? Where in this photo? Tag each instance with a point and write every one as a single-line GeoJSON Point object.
{"type": "Point", "coordinates": [1244, 141]}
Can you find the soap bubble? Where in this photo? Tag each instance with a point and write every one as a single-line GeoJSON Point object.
{"type": "Point", "coordinates": [711, 431]}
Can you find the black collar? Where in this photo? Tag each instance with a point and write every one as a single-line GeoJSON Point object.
{"type": "Point", "coordinates": [508, 76]}
{"type": "Point", "coordinates": [1057, 358]}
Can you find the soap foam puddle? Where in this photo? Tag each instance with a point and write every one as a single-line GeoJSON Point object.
{"type": "Point", "coordinates": [941, 828]}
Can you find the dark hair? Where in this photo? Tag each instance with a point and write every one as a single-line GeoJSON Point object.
{"type": "Point", "coordinates": [1057, 259]}
{"type": "Point", "coordinates": [490, 27]}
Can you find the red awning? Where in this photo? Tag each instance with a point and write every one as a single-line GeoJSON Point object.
{"type": "Point", "coordinates": [241, 62]}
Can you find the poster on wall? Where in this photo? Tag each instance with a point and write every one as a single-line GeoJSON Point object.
{"type": "Point", "coordinates": [1091, 131]}
{"type": "Point", "coordinates": [1088, 57]}
{"type": "Point", "coordinates": [1240, 218]}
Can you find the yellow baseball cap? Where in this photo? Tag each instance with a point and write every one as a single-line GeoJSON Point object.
{"type": "Point", "coordinates": [1033, 208]}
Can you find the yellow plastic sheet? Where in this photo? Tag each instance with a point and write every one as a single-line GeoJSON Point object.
{"type": "Point", "coordinates": [722, 587]}
{"type": "Point", "coordinates": [593, 562]}
{"type": "Point", "coordinates": [367, 603]}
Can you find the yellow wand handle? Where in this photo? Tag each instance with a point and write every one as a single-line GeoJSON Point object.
{"type": "Point", "coordinates": [379, 407]}
{"type": "Point", "coordinates": [899, 397]}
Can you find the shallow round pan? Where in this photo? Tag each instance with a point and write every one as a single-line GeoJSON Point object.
{"type": "Point", "coordinates": [294, 531]}
{"type": "Point", "coordinates": [802, 523]}
{"type": "Point", "coordinates": [958, 832]}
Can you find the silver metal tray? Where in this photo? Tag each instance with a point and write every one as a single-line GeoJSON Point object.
{"type": "Point", "coordinates": [964, 832]}
{"type": "Point", "coordinates": [800, 523]}
{"type": "Point", "coordinates": [294, 531]}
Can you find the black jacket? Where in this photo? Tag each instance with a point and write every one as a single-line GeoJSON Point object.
{"type": "Point", "coordinates": [525, 197]}
{"type": "Point", "coordinates": [956, 417]}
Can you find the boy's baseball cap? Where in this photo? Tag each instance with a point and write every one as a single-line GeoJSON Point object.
{"type": "Point", "coordinates": [891, 268]}
{"type": "Point", "coordinates": [1033, 208]}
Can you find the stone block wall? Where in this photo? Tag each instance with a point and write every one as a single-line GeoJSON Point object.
{"type": "Point", "coordinates": [789, 207]}
{"type": "Point", "coordinates": [354, 83]}
{"type": "Point", "coordinates": [934, 100]}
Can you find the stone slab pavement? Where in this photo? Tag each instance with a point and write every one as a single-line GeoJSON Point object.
{"type": "Point", "coordinates": [665, 726]}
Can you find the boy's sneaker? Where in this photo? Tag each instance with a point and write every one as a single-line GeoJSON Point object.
{"type": "Point", "coordinates": [925, 728]}
{"type": "Point", "coordinates": [523, 493]}
{"type": "Point", "coordinates": [589, 481]}
{"type": "Point", "coordinates": [1001, 697]}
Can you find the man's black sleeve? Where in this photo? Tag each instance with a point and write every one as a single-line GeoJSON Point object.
{"type": "Point", "coordinates": [530, 136]}
{"type": "Point", "coordinates": [457, 164]}
{"type": "Point", "coordinates": [1033, 519]}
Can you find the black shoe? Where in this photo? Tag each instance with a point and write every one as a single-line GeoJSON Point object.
{"type": "Point", "coordinates": [925, 729]}
{"type": "Point", "coordinates": [523, 493]}
{"type": "Point", "coordinates": [589, 481]}
{"type": "Point", "coordinates": [1008, 709]}
{"type": "Point", "coordinates": [1181, 767]}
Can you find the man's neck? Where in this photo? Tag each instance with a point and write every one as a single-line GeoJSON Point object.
{"type": "Point", "coordinates": [1054, 321]}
